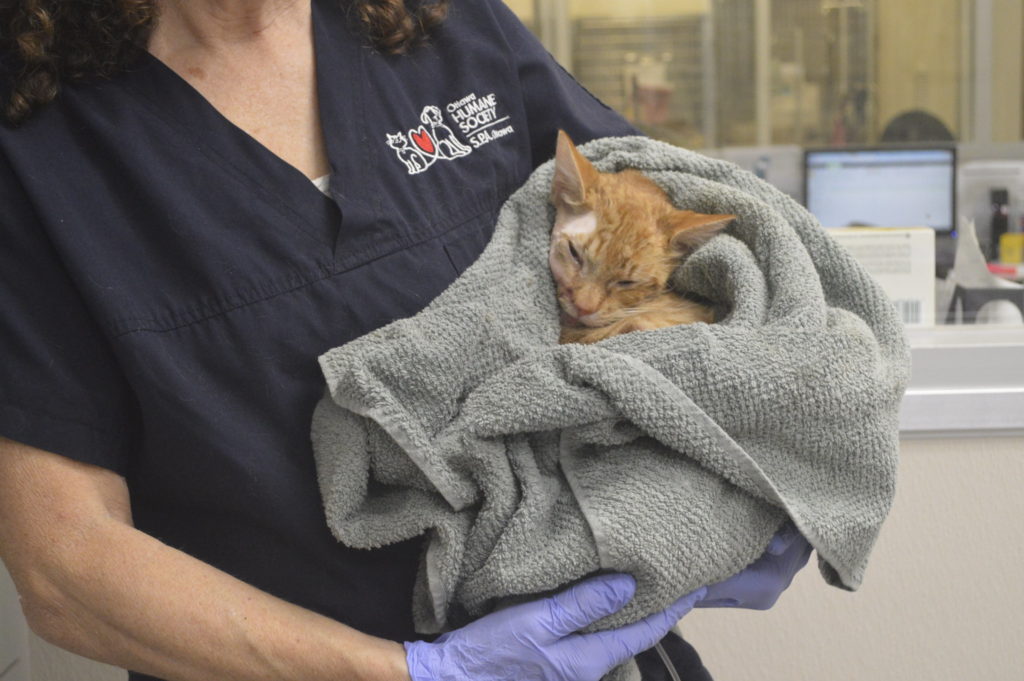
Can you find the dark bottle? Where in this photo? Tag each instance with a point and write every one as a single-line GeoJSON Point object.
{"type": "Point", "coordinates": [1000, 219]}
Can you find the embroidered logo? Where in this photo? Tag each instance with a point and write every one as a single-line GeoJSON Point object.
{"type": "Point", "coordinates": [476, 118]}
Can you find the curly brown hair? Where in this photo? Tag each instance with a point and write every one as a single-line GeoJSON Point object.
{"type": "Point", "coordinates": [43, 42]}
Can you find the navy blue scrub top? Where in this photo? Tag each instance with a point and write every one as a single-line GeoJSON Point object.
{"type": "Point", "coordinates": [167, 283]}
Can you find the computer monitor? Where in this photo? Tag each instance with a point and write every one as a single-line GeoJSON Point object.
{"type": "Point", "coordinates": [882, 186]}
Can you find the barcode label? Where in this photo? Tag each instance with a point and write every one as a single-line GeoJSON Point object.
{"type": "Point", "coordinates": [909, 310]}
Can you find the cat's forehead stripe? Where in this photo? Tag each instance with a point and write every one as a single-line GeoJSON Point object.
{"type": "Point", "coordinates": [581, 224]}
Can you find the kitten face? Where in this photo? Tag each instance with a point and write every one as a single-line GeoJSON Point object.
{"type": "Point", "coordinates": [617, 239]}
{"type": "Point", "coordinates": [605, 263]}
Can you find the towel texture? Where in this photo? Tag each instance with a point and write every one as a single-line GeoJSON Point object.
{"type": "Point", "coordinates": [673, 455]}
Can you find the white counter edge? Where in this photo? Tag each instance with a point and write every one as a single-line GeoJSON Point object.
{"type": "Point", "coordinates": [966, 382]}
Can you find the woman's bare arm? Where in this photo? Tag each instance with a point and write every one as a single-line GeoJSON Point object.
{"type": "Point", "coordinates": [93, 584]}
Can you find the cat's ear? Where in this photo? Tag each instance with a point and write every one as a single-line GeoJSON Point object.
{"type": "Point", "coordinates": [687, 231]}
{"type": "Point", "coordinates": [574, 174]}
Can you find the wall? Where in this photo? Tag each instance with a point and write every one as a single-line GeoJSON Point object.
{"type": "Point", "coordinates": [523, 8]}
{"type": "Point", "coordinates": [943, 598]}
{"type": "Point", "coordinates": [918, 59]}
{"type": "Point", "coordinates": [14, 657]}
{"type": "Point", "coordinates": [919, 63]}
{"type": "Point", "coordinates": [1007, 71]}
{"type": "Point", "coordinates": [654, 8]}
{"type": "Point", "coordinates": [617, 8]}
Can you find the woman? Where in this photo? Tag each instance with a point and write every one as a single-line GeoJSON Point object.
{"type": "Point", "coordinates": [199, 199]}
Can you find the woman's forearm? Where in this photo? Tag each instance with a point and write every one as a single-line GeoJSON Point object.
{"type": "Point", "coordinates": [131, 601]}
{"type": "Point", "coordinates": [93, 584]}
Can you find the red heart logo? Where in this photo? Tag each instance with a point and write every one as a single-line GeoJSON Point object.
{"type": "Point", "coordinates": [421, 138]}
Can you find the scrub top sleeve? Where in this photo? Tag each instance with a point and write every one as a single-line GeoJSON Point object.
{"type": "Point", "coordinates": [60, 387]}
{"type": "Point", "coordinates": [553, 98]}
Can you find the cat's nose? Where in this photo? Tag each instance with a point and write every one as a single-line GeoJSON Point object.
{"type": "Point", "coordinates": [583, 311]}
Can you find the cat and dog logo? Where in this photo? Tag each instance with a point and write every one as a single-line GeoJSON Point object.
{"type": "Point", "coordinates": [475, 116]}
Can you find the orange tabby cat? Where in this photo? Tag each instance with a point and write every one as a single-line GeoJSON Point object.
{"type": "Point", "coordinates": [616, 240]}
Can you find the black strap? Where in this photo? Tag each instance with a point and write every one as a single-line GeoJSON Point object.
{"type": "Point", "coordinates": [672, 659]}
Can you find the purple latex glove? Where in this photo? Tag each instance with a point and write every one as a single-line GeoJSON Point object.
{"type": "Point", "coordinates": [761, 583]}
{"type": "Point", "coordinates": [537, 641]}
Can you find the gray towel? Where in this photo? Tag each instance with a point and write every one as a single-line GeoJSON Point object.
{"type": "Point", "coordinates": [673, 454]}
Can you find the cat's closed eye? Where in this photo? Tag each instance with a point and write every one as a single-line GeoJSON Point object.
{"type": "Point", "coordinates": [575, 254]}
{"type": "Point", "coordinates": [626, 283]}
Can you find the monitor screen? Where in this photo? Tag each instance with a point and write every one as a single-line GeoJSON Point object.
{"type": "Point", "coordinates": [885, 187]}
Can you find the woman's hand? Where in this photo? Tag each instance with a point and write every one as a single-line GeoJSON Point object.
{"type": "Point", "coordinates": [761, 583]}
{"type": "Point", "coordinates": [537, 641]}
